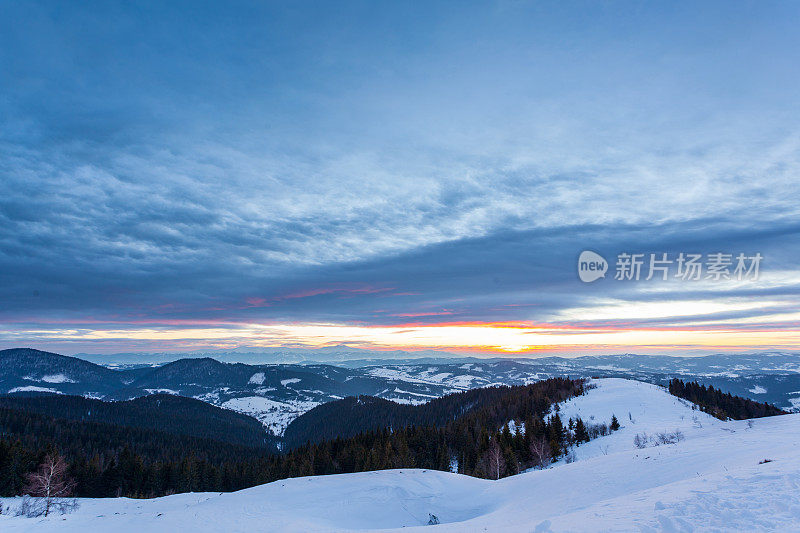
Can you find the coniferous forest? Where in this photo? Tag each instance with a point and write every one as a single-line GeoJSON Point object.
{"type": "Point", "coordinates": [113, 460]}
{"type": "Point", "coordinates": [490, 433]}
{"type": "Point", "coordinates": [720, 404]}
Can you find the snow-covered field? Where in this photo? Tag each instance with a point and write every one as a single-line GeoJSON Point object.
{"type": "Point", "coordinates": [275, 415]}
{"type": "Point", "coordinates": [431, 376]}
{"type": "Point", "coordinates": [712, 480]}
{"type": "Point", "coordinates": [33, 388]}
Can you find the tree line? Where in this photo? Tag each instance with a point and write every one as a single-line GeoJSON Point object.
{"type": "Point", "coordinates": [720, 404]}
{"type": "Point", "coordinates": [108, 460]}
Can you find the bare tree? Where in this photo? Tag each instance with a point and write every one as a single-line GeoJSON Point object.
{"type": "Point", "coordinates": [540, 449]}
{"type": "Point", "coordinates": [494, 460]}
{"type": "Point", "coordinates": [51, 484]}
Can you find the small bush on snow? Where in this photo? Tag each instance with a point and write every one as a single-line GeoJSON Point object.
{"type": "Point", "coordinates": [643, 440]}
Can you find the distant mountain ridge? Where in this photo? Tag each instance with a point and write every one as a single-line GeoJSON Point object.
{"type": "Point", "coordinates": [276, 394]}
{"type": "Point", "coordinates": [259, 356]}
{"type": "Point", "coordinates": [348, 356]}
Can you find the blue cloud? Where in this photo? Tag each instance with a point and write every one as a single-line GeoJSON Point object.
{"type": "Point", "coordinates": [175, 159]}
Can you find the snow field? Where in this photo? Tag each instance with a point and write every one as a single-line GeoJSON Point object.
{"type": "Point", "coordinates": [713, 479]}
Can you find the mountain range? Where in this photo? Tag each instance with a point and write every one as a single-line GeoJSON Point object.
{"type": "Point", "coordinates": [276, 394]}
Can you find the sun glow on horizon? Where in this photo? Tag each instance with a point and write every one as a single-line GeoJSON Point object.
{"type": "Point", "coordinates": [476, 337]}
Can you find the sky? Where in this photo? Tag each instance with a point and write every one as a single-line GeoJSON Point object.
{"type": "Point", "coordinates": [178, 176]}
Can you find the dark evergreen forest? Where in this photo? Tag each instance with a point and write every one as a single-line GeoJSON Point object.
{"type": "Point", "coordinates": [133, 449]}
{"type": "Point", "coordinates": [720, 404]}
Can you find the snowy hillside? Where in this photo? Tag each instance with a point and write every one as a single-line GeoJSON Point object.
{"type": "Point", "coordinates": [642, 409]}
{"type": "Point", "coordinates": [713, 477]}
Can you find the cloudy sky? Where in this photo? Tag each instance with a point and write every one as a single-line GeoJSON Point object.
{"type": "Point", "coordinates": [187, 175]}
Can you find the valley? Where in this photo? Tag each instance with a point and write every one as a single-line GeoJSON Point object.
{"type": "Point", "coordinates": [276, 394]}
{"type": "Point", "coordinates": [723, 475]}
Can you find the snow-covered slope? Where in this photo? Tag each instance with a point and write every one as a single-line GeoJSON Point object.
{"type": "Point", "coordinates": [273, 414]}
{"type": "Point", "coordinates": [642, 409]}
{"type": "Point", "coordinates": [710, 480]}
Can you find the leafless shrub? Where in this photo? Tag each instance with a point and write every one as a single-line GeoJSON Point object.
{"type": "Point", "coordinates": [597, 430]}
{"type": "Point", "coordinates": [669, 438]}
{"type": "Point", "coordinates": [26, 508]}
{"type": "Point", "coordinates": [540, 449]}
{"type": "Point", "coordinates": [50, 487]}
{"type": "Point", "coordinates": [643, 440]}
{"type": "Point", "coordinates": [663, 438]}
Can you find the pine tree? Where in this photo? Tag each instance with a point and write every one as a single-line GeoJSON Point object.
{"type": "Point", "coordinates": [581, 435]}
{"type": "Point", "coordinates": [557, 435]}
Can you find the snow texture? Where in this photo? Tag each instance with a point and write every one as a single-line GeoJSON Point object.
{"type": "Point", "coordinates": [712, 480]}
{"type": "Point", "coordinates": [274, 415]}
{"type": "Point", "coordinates": [33, 388]}
{"type": "Point", "coordinates": [257, 378]}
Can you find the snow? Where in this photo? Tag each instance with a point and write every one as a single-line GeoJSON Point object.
{"type": "Point", "coordinates": [57, 378]}
{"type": "Point", "coordinates": [390, 374]}
{"type": "Point", "coordinates": [795, 403]}
{"type": "Point", "coordinates": [464, 381]}
{"type": "Point", "coordinates": [52, 378]}
{"type": "Point", "coordinates": [286, 382]}
{"type": "Point", "coordinates": [513, 425]}
{"type": "Point", "coordinates": [758, 389]}
{"type": "Point", "coordinates": [405, 401]}
{"type": "Point", "coordinates": [162, 391]}
{"type": "Point", "coordinates": [640, 408]}
{"type": "Point", "coordinates": [436, 378]}
{"type": "Point", "coordinates": [712, 480]}
{"type": "Point", "coordinates": [257, 378]}
{"type": "Point", "coordinates": [94, 396]}
{"type": "Point", "coordinates": [394, 374]}
{"type": "Point", "coordinates": [401, 391]}
{"type": "Point", "coordinates": [32, 388]}
{"type": "Point", "coordinates": [431, 376]}
{"type": "Point", "coordinates": [609, 367]}
{"type": "Point", "coordinates": [274, 415]}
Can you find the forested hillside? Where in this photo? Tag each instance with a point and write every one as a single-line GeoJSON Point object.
{"type": "Point", "coordinates": [109, 460]}
{"type": "Point", "coordinates": [721, 404]}
{"type": "Point", "coordinates": [365, 413]}
{"type": "Point", "coordinates": [489, 433]}
{"type": "Point", "coordinates": [478, 441]}
{"type": "Point", "coordinates": [161, 412]}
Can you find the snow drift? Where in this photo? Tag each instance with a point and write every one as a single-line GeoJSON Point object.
{"type": "Point", "coordinates": [714, 477]}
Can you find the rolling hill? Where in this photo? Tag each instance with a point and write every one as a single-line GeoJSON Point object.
{"type": "Point", "coordinates": [277, 394]}
{"type": "Point", "coordinates": [726, 476]}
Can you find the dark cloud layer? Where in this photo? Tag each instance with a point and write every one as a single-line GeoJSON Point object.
{"type": "Point", "coordinates": [512, 275]}
{"type": "Point", "coordinates": [365, 164]}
